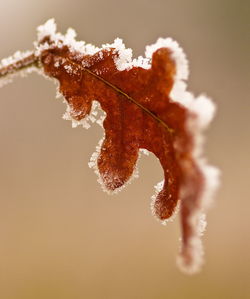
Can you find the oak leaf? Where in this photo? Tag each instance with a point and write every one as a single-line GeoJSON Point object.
{"type": "Point", "coordinates": [146, 107]}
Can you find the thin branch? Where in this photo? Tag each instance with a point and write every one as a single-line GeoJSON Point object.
{"type": "Point", "coordinates": [24, 63]}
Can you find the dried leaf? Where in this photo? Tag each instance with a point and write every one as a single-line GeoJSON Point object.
{"type": "Point", "coordinates": [146, 107]}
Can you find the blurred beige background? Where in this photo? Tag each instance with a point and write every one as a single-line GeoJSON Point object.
{"type": "Point", "coordinates": [60, 235]}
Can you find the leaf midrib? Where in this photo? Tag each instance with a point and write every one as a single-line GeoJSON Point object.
{"type": "Point", "coordinates": [33, 60]}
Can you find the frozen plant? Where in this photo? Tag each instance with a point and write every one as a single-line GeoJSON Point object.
{"type": "Point", "coordinates": [146, 108]}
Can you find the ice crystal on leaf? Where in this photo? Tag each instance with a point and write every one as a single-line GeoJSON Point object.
{"type": "Point", "coordinates": [146, 108]}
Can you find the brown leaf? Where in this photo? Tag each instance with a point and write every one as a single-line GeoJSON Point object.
{"type": "Point", "coordinates": [141, 113]}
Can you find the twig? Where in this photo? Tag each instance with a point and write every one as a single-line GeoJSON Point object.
{"type": "Point", "coordinates": [26, 62]}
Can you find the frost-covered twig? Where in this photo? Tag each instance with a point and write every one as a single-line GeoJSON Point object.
{"type": "Point", "coordinates": [10, 65]}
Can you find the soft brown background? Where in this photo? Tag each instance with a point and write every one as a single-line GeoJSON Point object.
{"type": "Point", "coordinates": [61, 237]}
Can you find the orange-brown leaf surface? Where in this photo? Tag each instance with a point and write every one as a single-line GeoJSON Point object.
{"type": "Point", "coordinates": [129, 127]}
{"type": "Point", "coordinates": [139, 114]}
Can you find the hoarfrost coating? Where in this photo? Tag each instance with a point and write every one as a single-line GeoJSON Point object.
{"type": "Point", "coordinates": [202, 107]}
